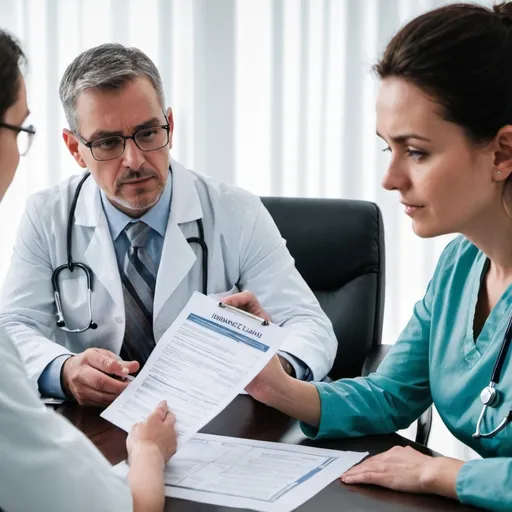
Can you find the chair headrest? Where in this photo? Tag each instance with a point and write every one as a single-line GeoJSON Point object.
{"type": "Point", "coordinates": [332, 240]}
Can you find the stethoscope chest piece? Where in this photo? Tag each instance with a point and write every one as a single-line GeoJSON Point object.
{"type": "Point", "coordinates": [489, 396]}
{"type": "Point", "coordinates": [61, 323]}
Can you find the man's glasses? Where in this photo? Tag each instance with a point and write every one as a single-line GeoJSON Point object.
{"type": "Point", "coordinates": [24, 137]}
{"type": "Point", "coordinates": [146, 139]}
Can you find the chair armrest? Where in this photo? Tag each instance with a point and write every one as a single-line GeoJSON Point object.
{"type": "Point", "coordinates": [374, 358]}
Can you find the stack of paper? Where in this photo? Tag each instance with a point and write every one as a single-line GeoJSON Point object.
{"type": "Point", "coordinates": [202, 362]}
{"type": "Point", "coordinates": [269, 477]}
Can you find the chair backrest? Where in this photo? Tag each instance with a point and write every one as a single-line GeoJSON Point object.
{"type": "Point", "coordinates": [338, 247]}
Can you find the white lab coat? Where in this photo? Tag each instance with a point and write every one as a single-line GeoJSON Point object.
{"type": "Point", "coordinates": [45, 463]}
{"type": "Point", "coordinates": [245, 250]}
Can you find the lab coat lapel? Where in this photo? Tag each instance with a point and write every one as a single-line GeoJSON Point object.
{"type": "Point", "coordinates": [100, 254]}
{"type": "Point", "coordinates": [177, 256]}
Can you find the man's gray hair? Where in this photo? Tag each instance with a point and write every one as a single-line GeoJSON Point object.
{"type": "Point", "coordinates": [109, 67]}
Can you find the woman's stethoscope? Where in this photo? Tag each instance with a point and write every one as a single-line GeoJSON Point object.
{"type": "Point", "coordinates": [70, 265]}
{"type": "Point", "coordinates": [489, 395]}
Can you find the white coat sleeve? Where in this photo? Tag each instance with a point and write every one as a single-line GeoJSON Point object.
{"type": "Point", "coordinates": [268, 270]}
{"type": "Point", "coordinates": [27, 307]}
{"type": "Point", "coordinates": [46, 464]}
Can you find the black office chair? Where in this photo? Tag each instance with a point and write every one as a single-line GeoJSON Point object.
{"type": "Point", "coordinates": [338, 247]}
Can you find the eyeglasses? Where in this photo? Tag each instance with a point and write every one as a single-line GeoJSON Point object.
{"type": "Point", "coordinates": [147, 139]}
{"type": "Point", "coordinates": [24, 137]}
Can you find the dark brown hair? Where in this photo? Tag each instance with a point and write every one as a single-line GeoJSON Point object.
{"type": "Point", "coordinates": [461, 55]}
{"type": "Point", "coordinates": [11, 57]}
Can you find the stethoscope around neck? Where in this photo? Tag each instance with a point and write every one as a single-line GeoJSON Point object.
{"type": "Point", "coordinates": [75, 265]}
{"type": "Point", "coordinates": [490, 395]}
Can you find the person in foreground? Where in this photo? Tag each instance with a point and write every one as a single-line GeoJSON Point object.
{"type": "Point", "coordinates": [444, 109]}
{"type": "Point", "coordinates": [45, 463]}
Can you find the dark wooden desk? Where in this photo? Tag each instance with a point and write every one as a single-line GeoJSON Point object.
{"type": "Point", "coordinates": [249, 419]}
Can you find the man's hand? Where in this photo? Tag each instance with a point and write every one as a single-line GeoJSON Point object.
{"type": "Point", "coordinates": [89, 376]}
{"type": "Point", "coordinates": [247, 301]}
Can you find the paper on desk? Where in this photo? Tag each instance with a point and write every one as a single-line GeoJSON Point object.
{"type": "Point", "coordinates": [269, 477]}
{"type": "Point", "coordinates": [201, 363]}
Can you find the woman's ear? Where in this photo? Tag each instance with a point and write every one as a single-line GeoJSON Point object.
{"type": "Point", "coordinates": [503, 154]}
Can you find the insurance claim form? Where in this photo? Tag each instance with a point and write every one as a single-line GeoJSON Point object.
{"type": "Point", "coordinates": [201, 363]}
{"type": "Point", "coordinates": [257, 475]}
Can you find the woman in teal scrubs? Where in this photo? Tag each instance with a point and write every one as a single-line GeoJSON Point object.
{"type": "Point", "coordinates": [444, 109]}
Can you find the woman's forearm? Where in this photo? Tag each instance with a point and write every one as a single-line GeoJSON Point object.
{"type": "Point", "coordinates": [297, 399]}
{"type": "Point", "coordinates": [146, 479]}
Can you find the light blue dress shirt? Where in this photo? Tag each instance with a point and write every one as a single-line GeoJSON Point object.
{"type": "Point", "coordinates": [156, 218]}
{"type": "Point", "coordinates": [437, 359]}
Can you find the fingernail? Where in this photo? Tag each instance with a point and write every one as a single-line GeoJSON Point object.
{"type": "Point", "coordinates": [163, 403]}
{"type": "Point", "coordinates": [125, 370]}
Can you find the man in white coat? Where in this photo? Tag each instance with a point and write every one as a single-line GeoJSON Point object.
{"type": "Point", "coordinates": [134, 227]}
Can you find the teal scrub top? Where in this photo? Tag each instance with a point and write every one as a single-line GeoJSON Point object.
{"type": "Point", "coordinates": [437, 360]}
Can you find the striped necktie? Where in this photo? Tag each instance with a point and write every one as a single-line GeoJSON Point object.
{"type": "Point", "coordinates": [139, 279]}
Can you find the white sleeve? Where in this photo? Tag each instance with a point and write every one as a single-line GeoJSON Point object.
{"type": "Point", "coordinates": [46, 464]}
{"type": "Point", "coordinates": [27, 307]}
{"type": "Point", "coordinates": [268, 270]}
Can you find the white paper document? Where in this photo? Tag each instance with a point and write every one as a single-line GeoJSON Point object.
{"type": "Point", "coordinates": [201, 363]}
{"type": "Point", "coordinates": [258, 475]}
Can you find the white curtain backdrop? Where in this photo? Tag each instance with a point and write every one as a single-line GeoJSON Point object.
{"type": "Point", "coordinates": [276, 96]}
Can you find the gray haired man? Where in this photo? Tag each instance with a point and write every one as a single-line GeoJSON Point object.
{"type": "Point", "coordinates": [130, 227]}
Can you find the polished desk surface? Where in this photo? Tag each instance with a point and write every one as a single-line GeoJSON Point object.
{"type": "Point", "coordinates": [249, 419]}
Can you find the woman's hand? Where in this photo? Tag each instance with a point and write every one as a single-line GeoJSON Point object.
{"type": "Point", "coordinates": [150, 445]}
{"type": "Point", "coordinates": [406, 469]}
{"type": "Point", "coordinates": [273, 386]}
{"type": "Point", "coordinates": [269, 382]}
{"type": "Point", "coordinates": [156, 434]}
{"type": "Point", "coordinates": [247, 301]}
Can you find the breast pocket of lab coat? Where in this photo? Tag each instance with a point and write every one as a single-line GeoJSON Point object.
{"type": "Point", "coordinates": [74, 299]}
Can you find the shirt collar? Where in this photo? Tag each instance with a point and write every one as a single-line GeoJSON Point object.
{"type": "Point", "coordinates": [156, 218]}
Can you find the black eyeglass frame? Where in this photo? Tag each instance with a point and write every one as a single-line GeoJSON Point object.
{"type": "Point", "coordinates": [30, 129]}
{"type": "Point", "coordinates": [89, 144]}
